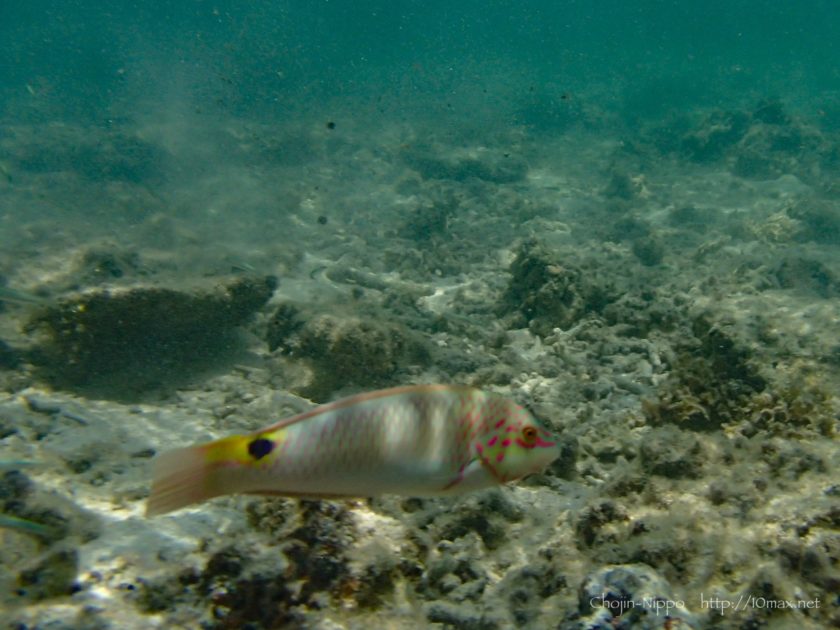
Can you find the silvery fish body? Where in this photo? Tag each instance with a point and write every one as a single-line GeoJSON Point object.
{"type": "Point", "coordinates": [427, 440]}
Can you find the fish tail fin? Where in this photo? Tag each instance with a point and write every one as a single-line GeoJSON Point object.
{"type": "Point", "coordinates": [186, 476]}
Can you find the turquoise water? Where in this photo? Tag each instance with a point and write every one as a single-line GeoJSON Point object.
{"type": "Point", "coordinates": [271, 59]}
{"type": "Point", "coordinates": [623, 215]}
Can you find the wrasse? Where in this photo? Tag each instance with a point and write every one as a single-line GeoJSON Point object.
{"type": "Point", "coordinates": [424, 440]}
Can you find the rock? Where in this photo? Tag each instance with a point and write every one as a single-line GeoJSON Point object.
{"type": "Point", "coordinates": [592, 518]}
{"type": "Point", "coordinates": [51, 575]}
{"type": "Point", "coordinates": [353, 351]}
{"type": "Point", "coordinates": [9, 357]}
{"type": "Point", "coordinates": [715, 136]}
{"type": "Point", "coordinates": [487, 515]}
{"type": "Point", "coordinates": [807, 276]}
{"type": "Point", "coordinates": [650, 251]}
{"type": "Point", "coordinates": [818, 221]}
{"type": "Point", "coordinates": [128, 339]}
{"type": "Point", "coordinates": [713, 381]}
{"type": "Point", "coordinates": [550, 293]}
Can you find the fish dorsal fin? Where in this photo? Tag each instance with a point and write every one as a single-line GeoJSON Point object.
{"type": "Point", "coordinates": [349, 401]}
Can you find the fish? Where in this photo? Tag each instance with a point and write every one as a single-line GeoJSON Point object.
{"type": "Point", "coordinates": [17, 296]}
{"type": "Point", "coordinates": [416, 440]}
{"type": "Point", "coordinates": [26, 526]}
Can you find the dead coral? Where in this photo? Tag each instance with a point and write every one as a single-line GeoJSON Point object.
{"type": "Point", "coordinates": [712, 382]}
{"type": "Point", "coordinates": [763, 143]}
{"type": "Point", "coordinates": [789, 411]}
{"type": "Point", "coordinates": [345, 351]}
{"type": "Point", "coordinates": [243, 585]}
{"type": "Point", "coordinates": [549, 293]}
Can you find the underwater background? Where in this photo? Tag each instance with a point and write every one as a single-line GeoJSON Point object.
{"type": "Point", "coordinates": [624, 215]}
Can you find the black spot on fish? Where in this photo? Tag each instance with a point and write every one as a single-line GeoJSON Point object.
{"type": "Point", "coordinates": [330, 125]}
{"type": "Point", "coordinates": [260, 447]}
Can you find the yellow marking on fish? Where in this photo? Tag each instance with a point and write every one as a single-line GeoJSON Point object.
{"type": "Point", "coordinates": [245, 450]}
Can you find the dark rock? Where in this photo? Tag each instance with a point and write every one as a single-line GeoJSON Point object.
{"type": "Point", "coordinates": [486, 515]}
{"type": "Point", "coordinates": [593, 517]}
{"type": "Point", "coordinates": [650, 251]}
{"type": "Point", "coordinates": [452, 616]}
{"type": "Point", "coordinates": [715, 136]}
{"type": "Point", "coordinates": [713, 381]}
{"type": "Point", "coordinates": [549, 293]}
{"type": "Point", "coordinates": [627, 228]}
{"type": "Point", "coordinates": [528, 587]}
{"type": "Point", "coordinates": [771, 113]}
{"type": "Point", "coordinates": [52, 575]}
{"type": "Point", "coordinates": [819, 221]}
{"type": "Point", "coordinates": [640, 313]}
{"type": "Point", "coordinates": [623, 186]}
{"type": "Point", "coordinates": [99, 266]}
{"type": "Point", "coordinates": [9, 357]}
{"type": "Point", "coordinates": [428, 222]}
{"type": "Point", "coordinates": [374, 585]}
{"type": "Point", "coordinates": [688, 217]}
{"type": "Point", "coordinates": [286, 320]}
{"type": "Point", "coordinates": [564, 465]}
{"type": "Point", "coordinates": [142, 336]}
{"type": "Point", "coordinates": [94, 154]}
{"type": "Point", "coordinates": [345, 351]}
{"type": "Point", "coordinates": [807, 275]}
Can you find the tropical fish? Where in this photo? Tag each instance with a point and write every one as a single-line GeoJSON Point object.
{"type": "Point", "coordinates": [8, 294]}
{"type": "Point", "coordinates": [424, 440]}
{"type": "Point", "coordinates": [26, 526]}
{"type": "Point", "coordinates": [21, 524]}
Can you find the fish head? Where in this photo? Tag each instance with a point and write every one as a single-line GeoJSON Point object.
{"type": "Point", "coordinates": [516, 445]}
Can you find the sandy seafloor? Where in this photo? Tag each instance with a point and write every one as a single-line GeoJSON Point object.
{"type": "Point", "coordinates": [666, 298]}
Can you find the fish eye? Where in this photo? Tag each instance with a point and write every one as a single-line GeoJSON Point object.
{"type": "Point", "coordinates": [529, 434]}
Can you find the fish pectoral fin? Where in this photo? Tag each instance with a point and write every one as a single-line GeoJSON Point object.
{"type": "Point", "coordinates": [473, 476]}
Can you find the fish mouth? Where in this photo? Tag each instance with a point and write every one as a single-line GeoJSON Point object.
{"type": "Point", "coordinates": [540, 459]}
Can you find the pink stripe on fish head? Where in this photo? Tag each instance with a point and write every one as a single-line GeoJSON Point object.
{"type": "Point", "coordinates": [514, 445]}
